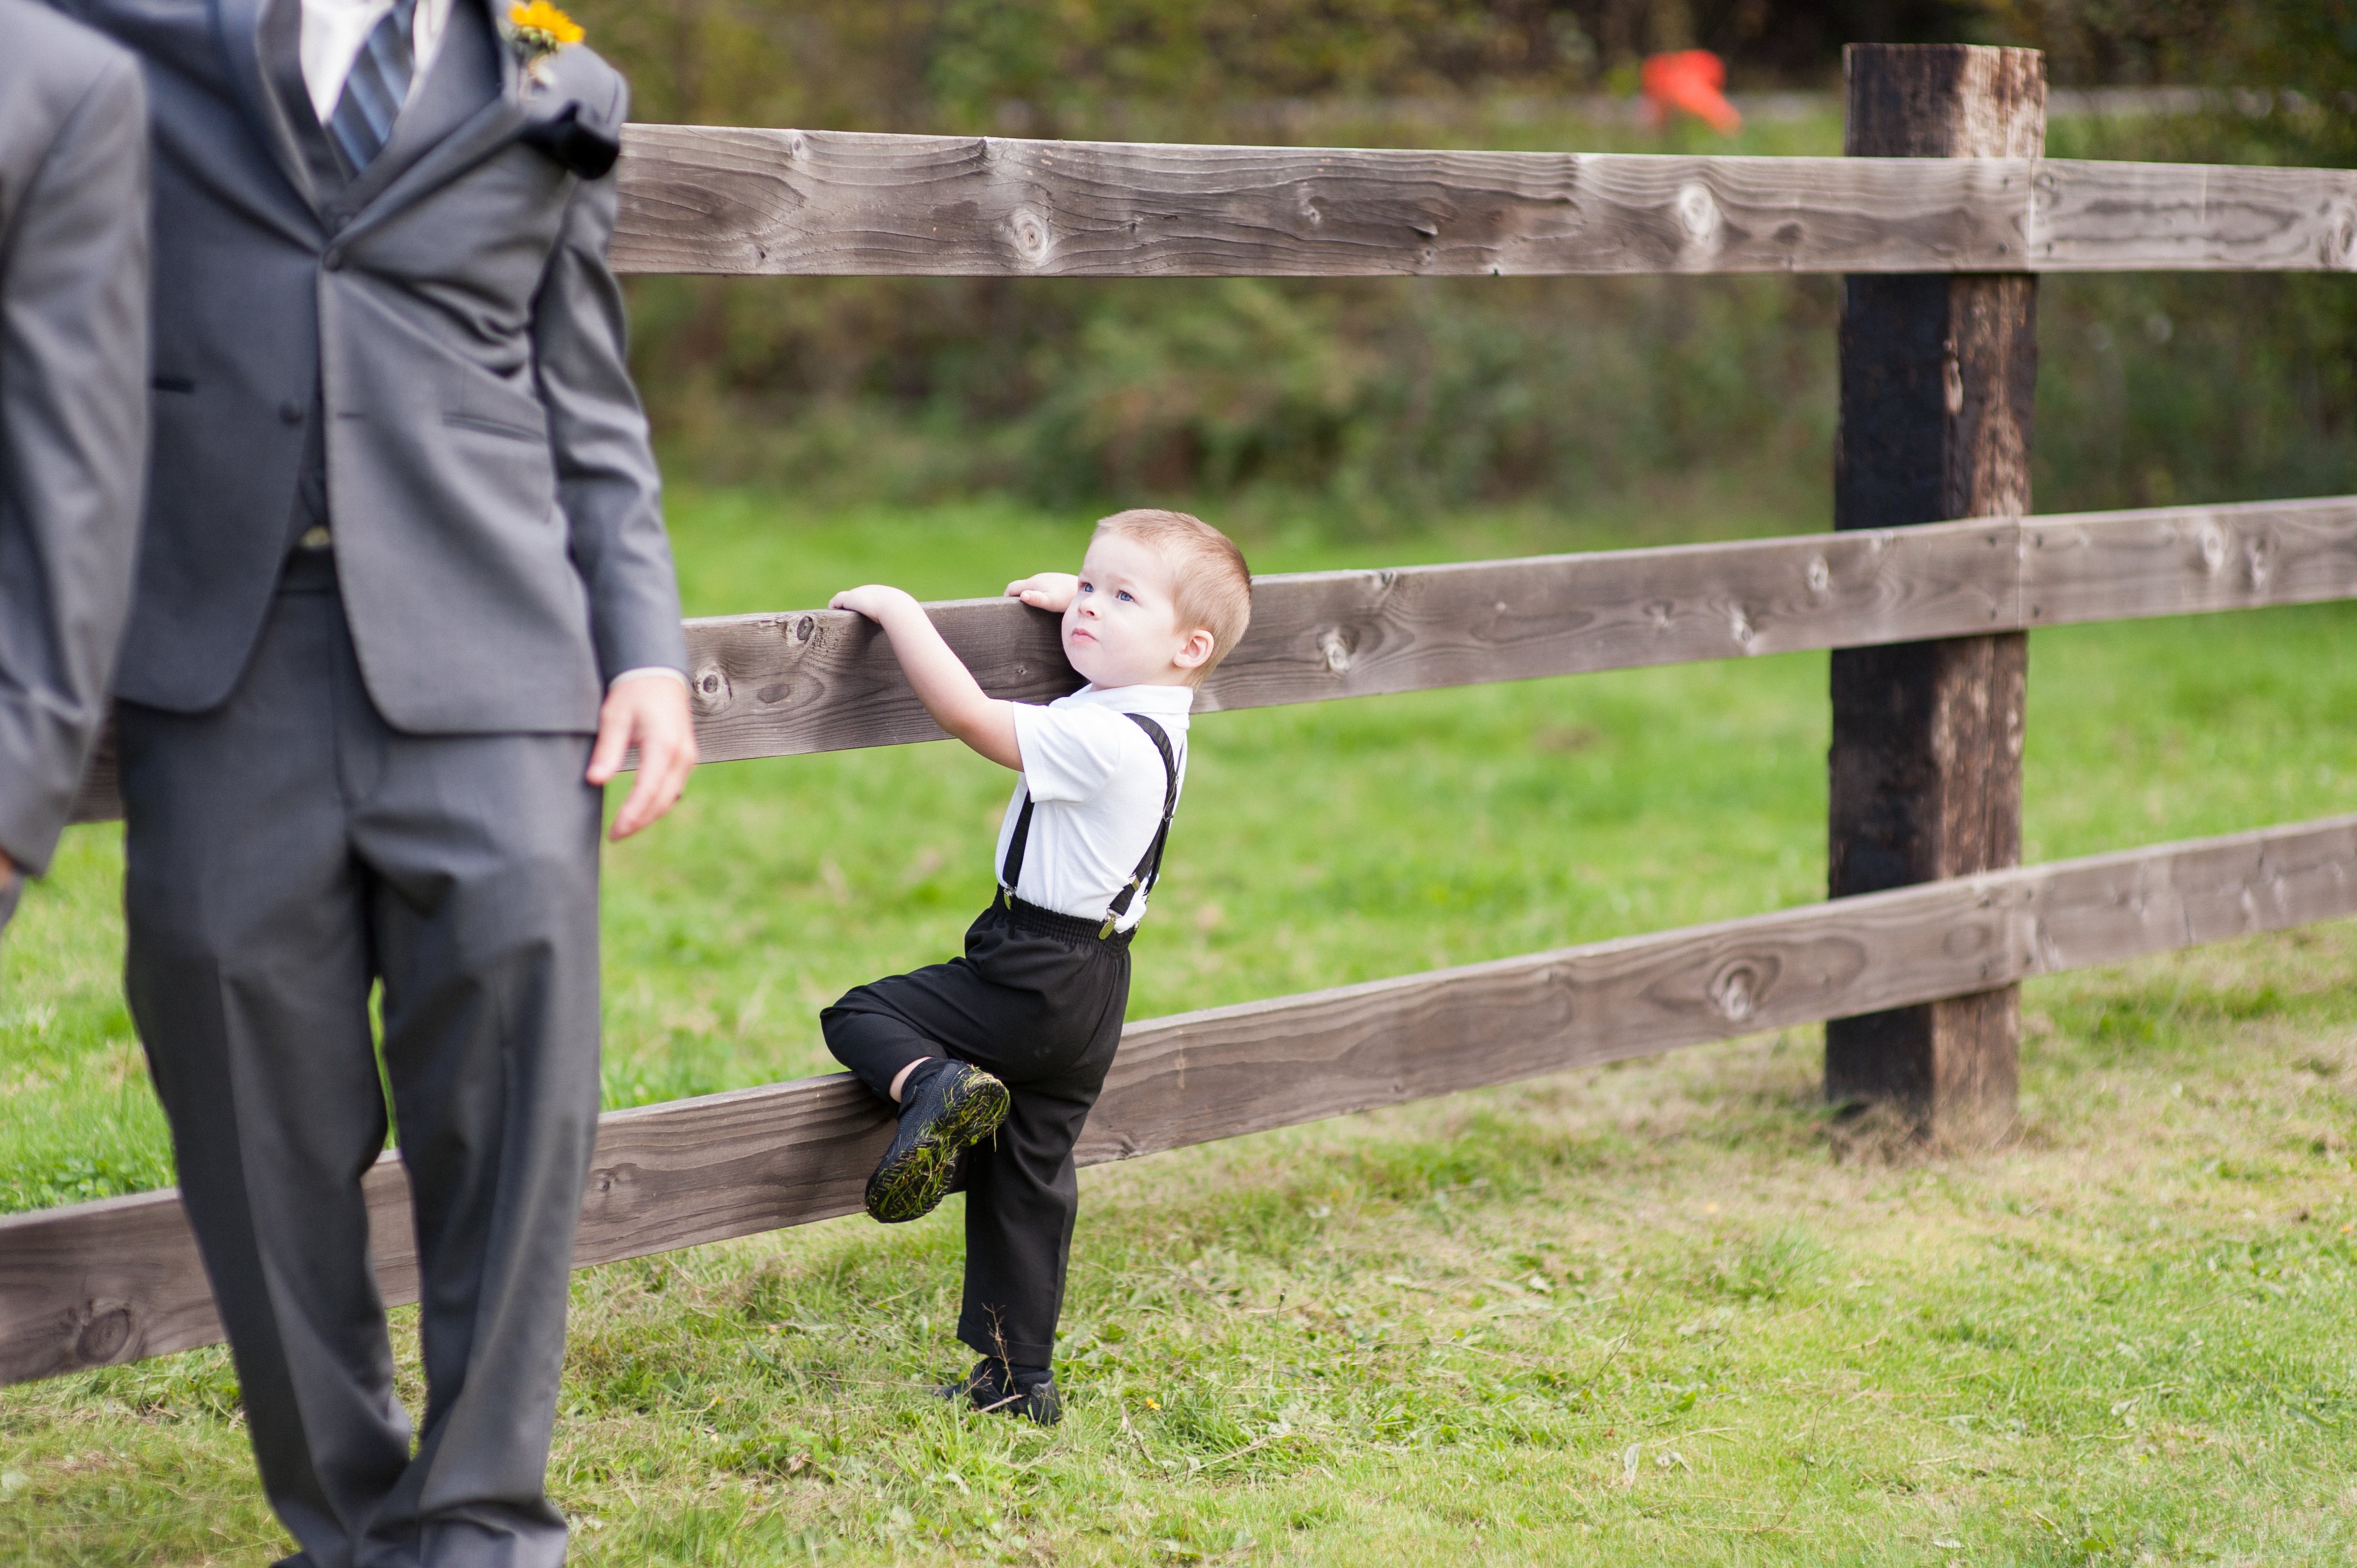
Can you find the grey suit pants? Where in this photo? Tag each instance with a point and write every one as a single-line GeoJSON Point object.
{"type": "Point", "coordinates": [286, 851]}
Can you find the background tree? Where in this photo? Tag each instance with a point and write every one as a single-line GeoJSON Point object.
{"type": "Point", "coordinates": [1370, 402]}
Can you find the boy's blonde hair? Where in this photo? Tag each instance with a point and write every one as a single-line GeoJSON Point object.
{"type": "Point", "coordinates": [1210, 584]}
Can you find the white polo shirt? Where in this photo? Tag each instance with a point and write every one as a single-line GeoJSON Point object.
{"type": "Point", "coordinates": [1098, 784]}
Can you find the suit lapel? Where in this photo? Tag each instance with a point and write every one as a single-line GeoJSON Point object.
{"type": "Point", "coordinates": [238, 25]}
{"type": "Point", "coordinates": [450, 126]}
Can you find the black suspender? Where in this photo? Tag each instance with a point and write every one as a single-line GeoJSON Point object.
{"type": "Point", "coordinates": [1149, 869]}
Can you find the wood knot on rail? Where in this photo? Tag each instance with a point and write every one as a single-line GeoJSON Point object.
{"type": "Point", "coordinates": [1334, 648]}
{"type": "Point", "coordinates": [1033, 237]}
{"type": "Point", "coordinates": [2211, 540]}
{"type": "Point", "coordinates": [1738, 990]}
{"type": "Point", "coordinates": [102, 1334]}
{"type": "Point", "coordinates": [614, 1190]}
{"type": "Point", "coordinates": [2337, 247]}
{"type": "Point", "coordinates": [1698, 214]}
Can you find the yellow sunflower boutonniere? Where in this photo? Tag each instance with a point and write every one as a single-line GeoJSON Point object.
{"type": "Point", "coordinates": [536, 32]}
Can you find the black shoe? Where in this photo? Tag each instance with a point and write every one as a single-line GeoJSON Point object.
{"type": "Point", "coordinates": [952, 1107]}
{"type": "Point", "coordinates": [994, 1386]}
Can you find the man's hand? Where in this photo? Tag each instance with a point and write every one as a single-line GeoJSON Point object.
{"type": "Point", "coordinates": [1046, 590]}
{"type": "Point", "coordinates": [650, 713]}
{"type": "Point", "coordinates": [7, 868]}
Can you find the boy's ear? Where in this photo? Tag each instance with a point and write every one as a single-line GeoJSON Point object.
{"type": "Point", "coordinates": [1195, 650]}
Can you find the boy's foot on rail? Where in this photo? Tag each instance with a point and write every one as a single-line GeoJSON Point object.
{"type": "Point", "coordinates": [942, 1111]}
{"type": "Point", "coordinates": [996, 1386]}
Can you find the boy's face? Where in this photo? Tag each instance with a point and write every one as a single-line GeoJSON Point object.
{"type": "Point", "coordinates": [1122, 627]}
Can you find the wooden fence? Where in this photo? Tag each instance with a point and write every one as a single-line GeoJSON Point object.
{"type": "Point", "coordinates": [97, 1284]}
{"type": "Point", "coordinates": [705, 200]}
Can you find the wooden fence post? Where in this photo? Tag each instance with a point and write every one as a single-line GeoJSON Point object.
{"type": "Point", "coordinates": [1937, 372]}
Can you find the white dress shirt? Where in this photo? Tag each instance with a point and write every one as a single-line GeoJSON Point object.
{"type": "Point", "coordinates": [334, 30]}
{"type": "Point", "coordinates": [1098, 785]}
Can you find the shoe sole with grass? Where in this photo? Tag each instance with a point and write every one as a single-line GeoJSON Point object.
{"type": "Point", "coordinates": [910, 1184]}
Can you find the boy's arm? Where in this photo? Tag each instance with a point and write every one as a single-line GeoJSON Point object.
{"type": "Point", "coordinates": [943, 682]}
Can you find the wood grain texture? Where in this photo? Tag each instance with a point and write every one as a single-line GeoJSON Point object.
{"type": "Point", "coordinates": [708, 199]}
{"type": "Point", "coordinates": [2126, 217]}
{"type": "Point", "coordinates": [817, 681]}
{"type": "Point", "coordinates": [838, 203]}
{"type": "Point", "coordinates": [773, 685]}
{"type": "Point", "coordinates": [1938, 373]}
{"type": "Point", "coordinates": [806, 681]}
{"type": "Point", "coordinates": [1335, 634]}
{"type": "Point", "coordinates": [94, 1285]}
{"type": "Point", "coordinates": [2121, 566]}
{"type": "Point", "coordinates": [102, 1283]}
{"type": "Point", "coordinates": [1942, 101]}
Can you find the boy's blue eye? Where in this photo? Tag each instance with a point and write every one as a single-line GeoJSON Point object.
{"type": "Point", "coordinates": [1123, 594]}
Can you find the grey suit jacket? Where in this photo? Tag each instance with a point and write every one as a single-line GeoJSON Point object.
{"type": "Point", "coordinates": [73, 407]}
{"type": "Point", "coordinates": [449, 319]}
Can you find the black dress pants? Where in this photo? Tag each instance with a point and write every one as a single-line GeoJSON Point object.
{"type": "Point", "coordinates": [1037, 999]}
{"type": "Point", "coordinates": [286, 851]}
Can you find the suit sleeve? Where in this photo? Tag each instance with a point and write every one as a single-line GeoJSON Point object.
{"type": "Point", "coordinates": [73, 446]}
{"type": "Point", "coordinates": [607, 482]}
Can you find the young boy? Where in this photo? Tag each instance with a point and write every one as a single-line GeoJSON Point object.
{"type": "Point", "coordinates": [1003, 1051]}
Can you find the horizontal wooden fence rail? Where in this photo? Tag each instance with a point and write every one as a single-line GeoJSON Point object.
{"type": "Point", "coordinates": [97, 1283]}
{"type": "Point", "coordinates": [700, 199]}
{"type": "Point", "coordinates": [770, 685]}
{"type": "Point", "coordinates": [780, 685]}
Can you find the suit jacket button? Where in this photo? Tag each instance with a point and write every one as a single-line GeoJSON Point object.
{"type": "Point", "coordinates": [334, 260]}
{"type": "Point", "coordinates": [290, 412]}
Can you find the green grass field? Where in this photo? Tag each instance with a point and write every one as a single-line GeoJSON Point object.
{"type": "Point", "coordinates": [1665, 1311]}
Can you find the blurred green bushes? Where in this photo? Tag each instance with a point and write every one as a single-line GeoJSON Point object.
{"type": "Point", "coordinates": [1373, 402]}
{"type": "Point", "coordinates": [1382, 398]}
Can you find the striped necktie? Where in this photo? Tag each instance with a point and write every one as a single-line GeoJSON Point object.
{"type": "Point", "coordinates": [376, 89]}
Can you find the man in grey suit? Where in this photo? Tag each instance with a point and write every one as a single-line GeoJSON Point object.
{"type": "Point", "coordinates": [73, 407]}
{"type": "Point", "coordinates": [404, 560]}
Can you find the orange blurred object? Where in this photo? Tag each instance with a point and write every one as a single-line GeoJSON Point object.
{"type": "Point", "coordinates": [1691, 79]}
